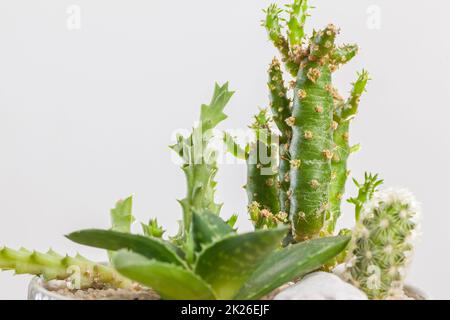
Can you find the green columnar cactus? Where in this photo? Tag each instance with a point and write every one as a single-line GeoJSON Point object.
{"type": "Point", "coordinates": [314, 152]}
{"type": "Point", "coordinates": [79, 271]}
{"type": "Point", "coordinates": [262, 185]}
{"type": "Point", "coordinates": [382, 244]}
{"type": "Point", "coordinates": [312, 140]}
{"type": "Point", "coordinates": [281, 110]}
{"type": "Point", "coordinates": [262, 178]}
{"type": "Point", "coordinates": [200, 163]}
{"type": "Point", "coordinates": [342, 149]}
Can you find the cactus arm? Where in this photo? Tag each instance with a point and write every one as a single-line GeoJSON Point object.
{"type": "Point", "coordinates": [366, 191]}
{"type": "Point", "coordinates": [343, 54]}
{"type": "Point", "coordinates": [279, 102]}
{"type": "Point", "coordinates": [342, 149]}
{"type": "Point", "coordinates": [262, 177]}
{"type": "Point", "coordinates": [351, 108]}
{"type": "Point", "coordinates": [262, 185]}
{"type": "Point", "coordinates": [280, 106]}
{"type": "Point", "coordinates": [298, 12]}
{"type": "Point", "coordinates": [200, 163]}
{"type": "Point", "coordinates": [312, 139]}
{"type": "Point", "coordinates": [274, 27]}
{"type": "Point", "coordinates": [52, 266]}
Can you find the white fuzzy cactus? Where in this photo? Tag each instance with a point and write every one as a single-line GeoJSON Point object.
{"type": "Point", "coordinates": [382, 244]}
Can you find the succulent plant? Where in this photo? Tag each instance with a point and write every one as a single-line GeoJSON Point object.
{"type": "Point", "coordinates": [78, 271]}
{"type": "Point", "coordinates": [313, 121]}
{"type": "Point", "coordinates": [296, 177]}
{"type": "Point", "coordinates": [208, 259]}
{"type": "Point", "coordinates": [227, 265]}
{"type": "Point", "coordinates": [383, 243]}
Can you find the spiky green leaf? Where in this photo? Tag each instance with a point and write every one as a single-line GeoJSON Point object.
{"type": "Point", "coordinates": [290, 263]}
{"type": "Point", "coordinates": [207, 228]}
{"type": "Point", "coordinates": [171, 282]}
{"type": "Point", "coordinates": [212, 114]}
{"type": "Point", "coordinates": [228, 263]}
{"type": "Point", "coordinates": [151, 248]}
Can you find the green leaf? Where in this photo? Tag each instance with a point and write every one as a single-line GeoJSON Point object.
{"type": "Point", "coordinates": [121, 215]}
{"type": "Point", "coordinates": [208, 227]}
{"type": "Point", "coordinates": [171, 282]}
{"type": "Point", "coordinates": [228, 263]}
{"type": "Point", "coordinates": [153, 229]}
{"type": "Point", "coordinates": [232, 220]}
{"type": "Point", "coordinates": [212, 114]}
{"type": "Point", "coordinates": [290, 263]}
{"type": "Point", "coordinates": [151, 248]}
{"type": "Point", "coordinates": [121, 218]}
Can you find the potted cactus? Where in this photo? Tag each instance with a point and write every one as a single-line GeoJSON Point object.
{"type": "Point", "coordinates": [297, 173]}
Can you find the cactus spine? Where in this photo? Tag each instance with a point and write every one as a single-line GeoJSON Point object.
{"type": "Point", "coordinates": [382, 244]}
{"type": "Point", "coordinates": [81, 272]}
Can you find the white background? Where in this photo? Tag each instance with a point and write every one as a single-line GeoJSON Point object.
{"type": "Point", "coordinates": [86, 115]}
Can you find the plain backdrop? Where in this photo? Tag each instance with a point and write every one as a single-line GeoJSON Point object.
{"type": "Point", "coordinates": [87, 110]}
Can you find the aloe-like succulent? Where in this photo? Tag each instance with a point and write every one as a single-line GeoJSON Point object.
{"type": "Point", "coordinates": [208, 259]}
{"type": "Point", "coordinates": [227, 265]}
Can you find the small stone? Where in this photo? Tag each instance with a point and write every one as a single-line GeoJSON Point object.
{"type": "Point", "coordinates": [321, 286]}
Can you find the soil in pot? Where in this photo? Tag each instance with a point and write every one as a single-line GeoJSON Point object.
{"type": "Point", "coordinates": [100, 292]}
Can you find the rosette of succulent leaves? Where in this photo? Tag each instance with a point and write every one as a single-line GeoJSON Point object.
{"type": "Point", "coordinates": [208, 259]}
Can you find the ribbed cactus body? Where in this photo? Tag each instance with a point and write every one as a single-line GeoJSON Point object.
{"type": "Point", "coordinates": [281, 110]}
{"type": "Point", "coordinates": [262, 179]}
{"type": "Point", "coordinates": [382, 244]}
{"type": "Point", "coordinates": [262, 176]}
{"type": "Point", "coordinates": [81, 272]}
{"type": "Point", "coordinates": [312, 139]}
{"type": "Point", "coordinates": [343, 115]}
